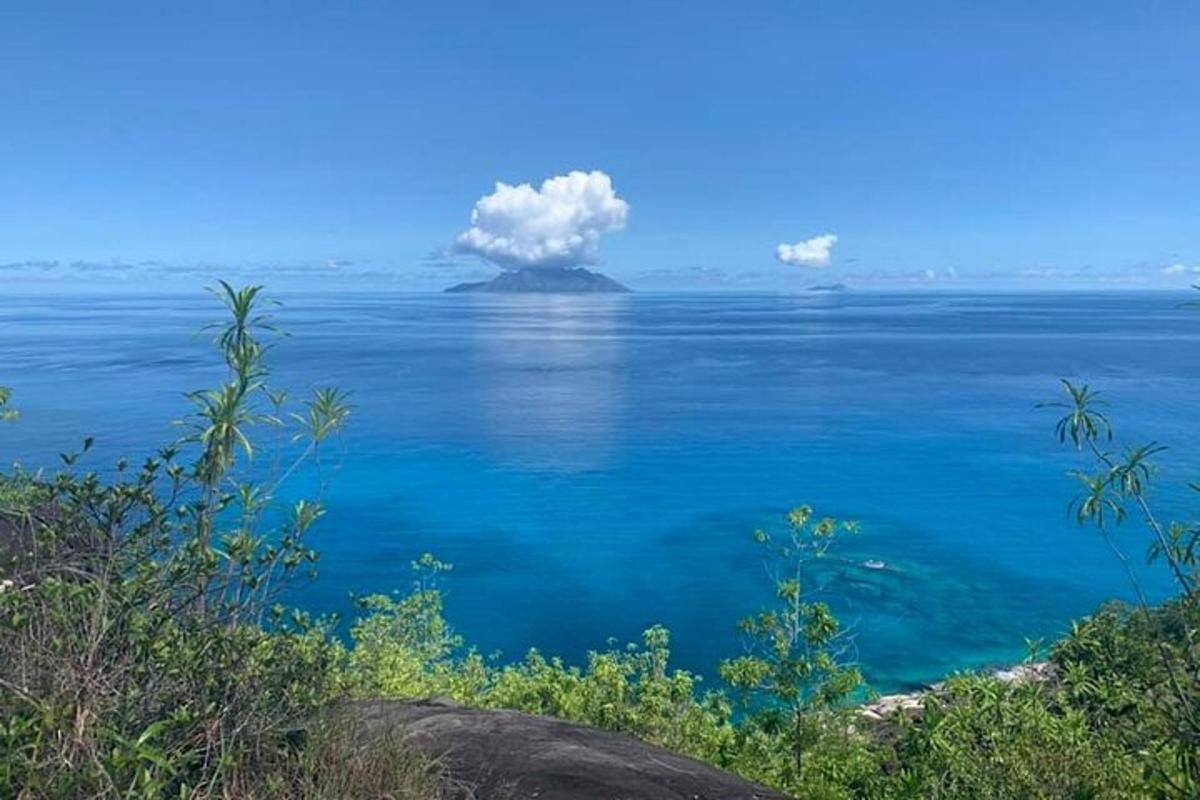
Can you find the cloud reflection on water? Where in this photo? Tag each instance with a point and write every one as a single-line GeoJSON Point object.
{"type": "Point", "coordinates": [550, 377]}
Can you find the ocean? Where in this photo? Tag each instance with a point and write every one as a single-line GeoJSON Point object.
{"type": "Point", "coordinates": [595, 465]}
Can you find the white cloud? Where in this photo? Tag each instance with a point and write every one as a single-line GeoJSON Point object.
{"type": "Point", "coordinates": [556, 225]}
{"type": "Point", "coordinates": [1179, 269]}
{"type": "Point", "coordinates": [814, 252]}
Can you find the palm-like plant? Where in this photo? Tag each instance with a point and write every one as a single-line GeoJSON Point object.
{"type": "Point", "coordinates": [1083, 423]}
{"type": "Point", "coordinates": [237, 336]}
{"type": "Point", "coordinates": [222, 423]}
{"type": "Point", "coordinates": [1121, 480]}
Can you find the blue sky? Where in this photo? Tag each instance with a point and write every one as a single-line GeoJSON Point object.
{"type": "Point", "coordinates": [942, 143]}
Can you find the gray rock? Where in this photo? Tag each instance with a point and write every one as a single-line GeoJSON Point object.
{"type": "Point", "coordinates": [882, 713]}
{"type": "Point", "coordinates": [1036, 672]}
{"type": "Point", "coordinates": [507, 755]}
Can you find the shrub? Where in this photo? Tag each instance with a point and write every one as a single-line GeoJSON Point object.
{"type": "Point", "coordinates": [628, 689]}
{"type": "Point", "coordinates": [1113, 672]}
{"type": "Point", "coordinates": [405, 648]}
{"type": "Point", "coordinates": [989, 740]}
{"type": "Point", "coordinates": [1116, 488]}
{"type": "Point", "coordinates": [142, 650]}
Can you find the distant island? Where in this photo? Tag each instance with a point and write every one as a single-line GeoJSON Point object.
{"type": "Point", "coordinates": [544, 280]}
{"type": "Point", "coordinates": [828, 287]}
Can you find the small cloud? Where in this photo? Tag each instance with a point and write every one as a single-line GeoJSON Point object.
{"type": "Point", "coordinates": [1045, 272]}
{"type": "Point", "coordinates": [556, 225]}
{"type": "Point", "coordinates": [339, 263]}
{"type": "Point", "coordinates": [30, 266]}
{"type": "Point", "coordinates": [446, 259]}
{"type": "Point", "coordinates": [1180, 269]}
{"type": "Point", "coordinates": [928, 275]}
{"type": "Point", "coordinates": [814, 252]}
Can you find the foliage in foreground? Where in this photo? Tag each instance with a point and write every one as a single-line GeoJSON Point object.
{"type": "Point", "coordinates": [142, 650]}
{"type": "Point", "coordinates": [143, 653]}
{"type": "Point", "coordinates": [1089, 734]}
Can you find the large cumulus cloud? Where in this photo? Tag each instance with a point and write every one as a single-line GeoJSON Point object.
{"type": "Point", "coordinates": [556, 225]}
{"type": "Point", "coordinates": [814, 252]}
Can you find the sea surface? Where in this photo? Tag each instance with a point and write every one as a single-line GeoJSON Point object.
{"type": "Point", "coordinates": [594, 465]}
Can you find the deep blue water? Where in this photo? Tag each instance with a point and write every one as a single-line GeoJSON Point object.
{"type": "Point", "coordinates": [594, 465]}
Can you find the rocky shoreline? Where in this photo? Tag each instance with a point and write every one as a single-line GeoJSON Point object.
{"type": "Point", "coordinates": [911, 705]}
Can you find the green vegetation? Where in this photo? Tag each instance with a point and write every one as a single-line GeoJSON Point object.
{"type": "Point", "coordinates": [796, 675]}
{"type": "Point", "coordinates": [1163, 691]}
{"type": "Point", "coordinates": [7, 412]}
{"type": "Point", "coordinates": [144, 652]}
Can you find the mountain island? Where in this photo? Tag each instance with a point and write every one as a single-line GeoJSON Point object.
{"type": "Point", "coordinates": [544, 280]}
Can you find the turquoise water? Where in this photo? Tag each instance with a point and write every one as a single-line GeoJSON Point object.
{"type": "Point", "coordinates": [594, 465]}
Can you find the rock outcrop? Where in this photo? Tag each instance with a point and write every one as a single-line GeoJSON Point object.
{"type": "Point", "coordinates": [507, 755]}
{"type": "Point", "coordinates": [884, 712]}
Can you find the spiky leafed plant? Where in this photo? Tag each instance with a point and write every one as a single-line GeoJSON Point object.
{"type": "Point", "coordinates": [1120, 482]}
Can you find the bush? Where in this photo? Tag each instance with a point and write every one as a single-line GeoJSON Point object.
{"type": "Point", "coordinates": [1114, 672]}
{"type": "Point", "coordinates": [142, 650]}
{"type": "Point", "coordinates": [405, 647]}
{"type": "Point", "coordinates": [627, 689]}
{"type": "Point", "coordinates": [990, 740]}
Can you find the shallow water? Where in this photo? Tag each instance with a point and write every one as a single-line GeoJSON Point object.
{"type": "Point", "coordinates": [593, 465]}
